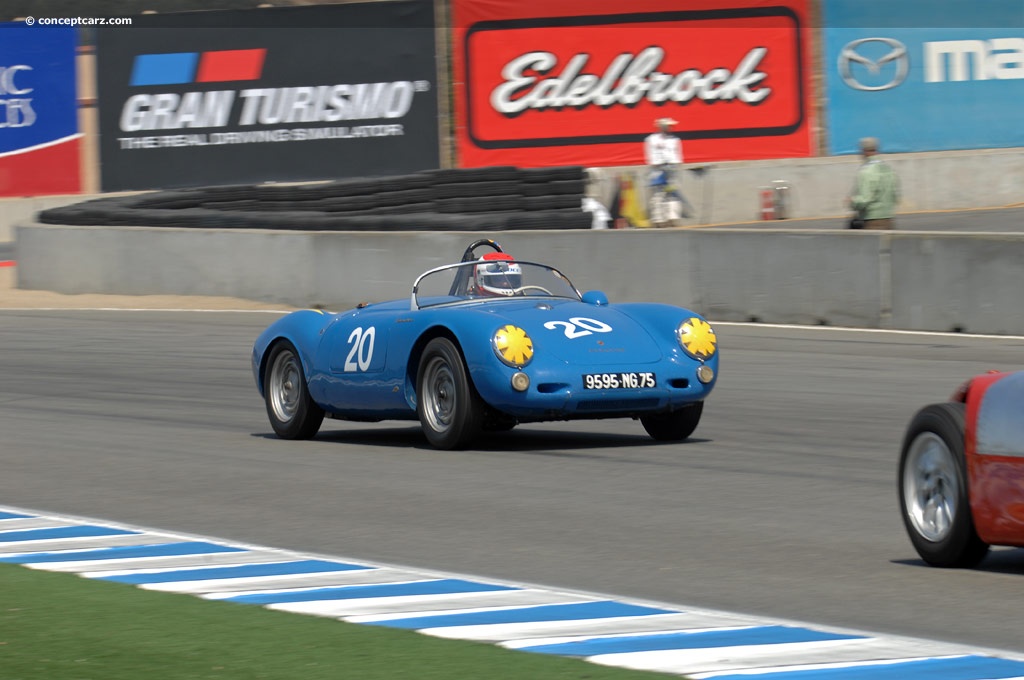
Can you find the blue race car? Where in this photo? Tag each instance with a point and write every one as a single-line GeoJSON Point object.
{"type": "Point", "coordinates": [483, 345]}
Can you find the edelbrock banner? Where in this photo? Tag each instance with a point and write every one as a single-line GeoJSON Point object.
{"type": "Point", "coordinates": [276, 94]}
{"type": "Point", "coordinates": [924, 75]}
{"type": "Point", "coordinates": [560, 82]}
{"type": "Point", "coordinates": [39, 138]}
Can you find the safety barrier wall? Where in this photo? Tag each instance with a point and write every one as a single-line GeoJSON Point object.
{"type": "Point", "coordinates": [907, 280]}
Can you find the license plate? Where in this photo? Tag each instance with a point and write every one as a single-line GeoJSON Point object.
{"type": "Point", "coordinates": [618, 381]}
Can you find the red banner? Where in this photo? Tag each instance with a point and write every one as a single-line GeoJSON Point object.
{"type": "Point", "coordinates": [559, 82]}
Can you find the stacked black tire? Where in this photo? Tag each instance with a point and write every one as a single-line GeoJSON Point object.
{"type": "Point", "coordinates": [480, 199]}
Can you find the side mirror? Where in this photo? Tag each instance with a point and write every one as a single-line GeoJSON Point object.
{"type": "Point", "coordinates": [595, 297]}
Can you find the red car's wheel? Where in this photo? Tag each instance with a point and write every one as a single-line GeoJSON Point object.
{"type": "Point", "coordinates": [933, 489]}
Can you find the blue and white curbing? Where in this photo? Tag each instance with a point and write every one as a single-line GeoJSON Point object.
{"type": "Point", "coordinates": [699, 643]}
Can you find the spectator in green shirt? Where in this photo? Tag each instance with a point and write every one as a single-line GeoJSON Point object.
{"type": "Point", "coordinates": [878, 188]}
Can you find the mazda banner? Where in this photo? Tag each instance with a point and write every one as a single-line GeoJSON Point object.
{"type": "Point", "coordinates": [932, 76]}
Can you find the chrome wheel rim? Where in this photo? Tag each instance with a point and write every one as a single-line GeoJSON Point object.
{"type": "Point", "coordinates": [439, 400]}
{"type": "Point", "coordinates": [931, 487]}
{"type": "Point", "coordinates": [285, 388]}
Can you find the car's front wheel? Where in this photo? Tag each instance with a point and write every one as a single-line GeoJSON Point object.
{"type": "Point", "coordinates": [293, 413]}
{"type": "Point", "coordinates": [675, 426]}
{"type": "Point", "coordinates": [448, 407]}
{"type": "Point", "coordinates": [933, 489]}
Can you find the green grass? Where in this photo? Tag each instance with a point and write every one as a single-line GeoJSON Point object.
{"type": "Point", "coordinates": [58, 626]}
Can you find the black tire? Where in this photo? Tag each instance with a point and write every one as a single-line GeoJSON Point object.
{"type": "Point", "coordinates": [556, 174]}
{"type": "Point", "coordinates": [473, 189]}
{"type": "Point", "coordinates": [407, 209]}
{"type": "Point", "coordinates": [932, 484]}
{"type": "Point", "coordinates": [293, 413]}
{"type": "Point", "coordinates": [498, 173]}
{"type": "Point", "coordinates": [675, 426]}
{"type": "Point", "coordinates": [561, 187]}
{"type": "Point", "coordinates": [552, 202]}
{"type": "Point", "coordinates": [448, 407]}
{"type": "Point", "coordinates": [479, 204]}
{"type": "Point", "coordinates": [393, 198]}
{"type": "Point", "coordinates": [349, 187]}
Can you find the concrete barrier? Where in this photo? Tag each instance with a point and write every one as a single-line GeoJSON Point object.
{"type": "Point", "coordinates": [907, 280]}
{"type": "Point", "coordinates": [14, 211]}
{"type": "Point", "coordinates": [963, 282]}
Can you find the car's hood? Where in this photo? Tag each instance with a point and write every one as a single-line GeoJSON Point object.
{"type": "Point", "coordinates": [578, 332]}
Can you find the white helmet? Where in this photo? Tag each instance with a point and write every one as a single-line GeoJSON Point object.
{"type": "Point", "coordinates": [498, 274]}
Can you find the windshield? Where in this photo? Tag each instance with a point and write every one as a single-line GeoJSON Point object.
{"type": "Point", "coordinates": [493, 279]}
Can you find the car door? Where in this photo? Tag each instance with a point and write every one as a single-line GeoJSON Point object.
{"type": "Point", "coordinates": [352, 356]}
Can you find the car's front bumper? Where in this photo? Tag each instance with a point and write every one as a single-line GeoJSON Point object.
{"type": "Point", "coordinates": [557, 392]}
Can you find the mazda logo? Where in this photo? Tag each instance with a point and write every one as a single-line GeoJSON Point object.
{"type": "Point", "coordinates": [870, 68]}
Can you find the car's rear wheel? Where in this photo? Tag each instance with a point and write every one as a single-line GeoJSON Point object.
{"type": "Point", "coordinates": [675, 426]}
{"type": "Point", "coordinates": [448, 407]}
{"type": "Point", "coordinates": [293, 413]}
{"type": "Point", "coordinates": [933, 489]}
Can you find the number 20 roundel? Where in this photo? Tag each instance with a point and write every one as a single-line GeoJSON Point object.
{"type": "Point", "coordinates": [557, 82]}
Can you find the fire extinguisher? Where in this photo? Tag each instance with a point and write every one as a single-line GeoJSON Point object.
{"type": "Point", "coordinates": [767, 203]}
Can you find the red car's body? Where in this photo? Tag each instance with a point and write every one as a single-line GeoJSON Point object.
{"type": "Point", "coordinates": [995, 457]}
{"type": "Point", "coordinates": [961, 472]}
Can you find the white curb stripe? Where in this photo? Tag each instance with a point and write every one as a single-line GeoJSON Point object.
{"type": "Point", "coordinates": [731, 659]}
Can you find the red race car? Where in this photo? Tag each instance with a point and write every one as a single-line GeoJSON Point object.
{"type": "Point", "coordinates": [961, 472]}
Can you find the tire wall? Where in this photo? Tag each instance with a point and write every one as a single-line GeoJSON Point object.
{"type": "Point", "coordinates": [911, 280]}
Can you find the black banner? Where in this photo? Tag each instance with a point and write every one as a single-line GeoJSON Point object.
{"type": "Point", "coordinates": [276, 94]}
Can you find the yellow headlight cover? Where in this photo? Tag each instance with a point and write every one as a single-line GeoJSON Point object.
{"type": "Point", "coordinates": [513, 346]}
{"type": "Point", "coordinates": [698, 338]}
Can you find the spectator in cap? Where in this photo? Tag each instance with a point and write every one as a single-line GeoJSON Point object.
{"type": "Point", "coordinates": [877, 191]}
{"type": "Point", "coordinates": [663, 154]}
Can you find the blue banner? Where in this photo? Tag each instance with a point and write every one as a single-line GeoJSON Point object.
{"type": "Point", "coordinates": [924, 75]}
{"type": "Point", "coordinates": [37, 85]}
{"type": "Point", "coordinates": [39, 138]}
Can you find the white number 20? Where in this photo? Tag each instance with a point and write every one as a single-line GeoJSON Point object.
{"type": "Point", "coordinates": [579, 326]}
{"type": "Point", "coordinates": [362, 349]}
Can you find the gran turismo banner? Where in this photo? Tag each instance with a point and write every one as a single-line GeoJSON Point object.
{"type": "Point", "coordinates": [924, 76]}
{"type": "Point", "coordinates": [558, 82]}
{"type": "Point", "coordinates": [39, 137]}
{"type": "Point", "coordinates": [274, 94]}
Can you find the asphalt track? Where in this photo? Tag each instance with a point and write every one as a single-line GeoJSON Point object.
{"type": "Point", "coordinates": [784, 505]}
